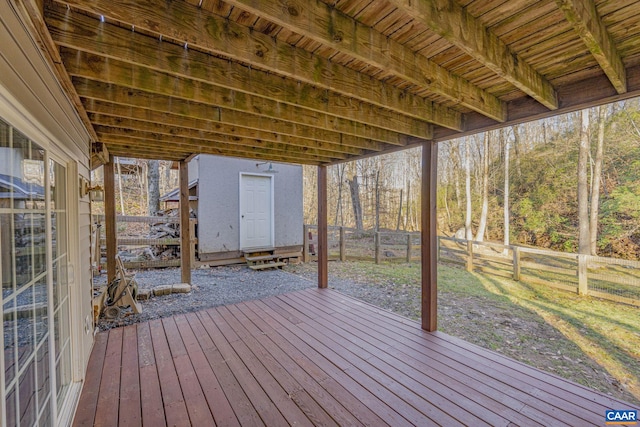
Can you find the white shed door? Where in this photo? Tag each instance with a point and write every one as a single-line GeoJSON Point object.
{"type": "Point", "coordinates": [256, 213]}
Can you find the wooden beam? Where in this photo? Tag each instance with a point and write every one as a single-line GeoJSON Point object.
{"type": "Point", "coordinates": [330, 27]}
{"type": "Point", "coordinates": [81, 32]}
{"type": "Point", "coordinates": [452, 22]}
{"type": "Point", "coordinates": [183, 23]}
{"type": "Point", "coordinates": [584, 18]}
{"type": "Point", "coordinates": [162, 143]}
{"type": "Point", "coordinates": [110, 218]}
{"type": "Point", "coordinates": [185, 229]}
{"type": "Point", "coordinates": [111, 114]}
{"type": "Point", "coordinates": [429, 237]}
{"type": "Point", "coordinates": [323, 239]}
{"type": "Point", "coordinates": [97, 68]}
{"type": "Point", "coordinates": [123, 98]}
{"type": "Point", "coordinates": [107, 125]}
{"type": "Point", "coordinates": [586, 93]}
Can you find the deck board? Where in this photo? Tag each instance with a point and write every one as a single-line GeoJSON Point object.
{"type": "Point", "coordinates": [316, 357]}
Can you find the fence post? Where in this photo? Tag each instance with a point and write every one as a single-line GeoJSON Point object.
{"type": "Point", "coordinates": [470, 256]}
{"type": "Point", "coordinates": [583, 287]}
{"type": "Point", "coordinates": [516, 263]}
{"type": "Point", "coordinates": [409, 242]}
{"type": "Point", "coordinates": [305, 243]}
{"type": "Point", "coordinates": [343, 246]}
{"type": "Point", "coordinates": [377, 244]}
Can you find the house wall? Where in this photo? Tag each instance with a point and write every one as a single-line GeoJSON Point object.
{"type": "Point", "coordinates": [33, 102]}
{"type": "Point", "coordinates": [219, 203]}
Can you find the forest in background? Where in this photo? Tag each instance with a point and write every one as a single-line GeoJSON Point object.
{"type": "Point", "coordinates": [528, 174]}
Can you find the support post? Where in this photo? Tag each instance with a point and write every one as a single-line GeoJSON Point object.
{"type": "Point", "coordinates": [376, 242]}
{"type": "Point", "coordinates": [110, 218]}
{"type": "Point", "coordinates": [409, 247]}
{"type": "Point", "coordinates": [305, 244]}
{"type": "Point", "coordinates": [516, 263]}
{"type": "Point", "coordinates": [583, 286]}
{"type": "Point", "coordinates": [323, 239]}
{"type": "Point", "coordinates": [185, 229]}
{"type": "Point", "coordinates": [428, 236]}
{"type": "Point", "coordinates": [343, 246]}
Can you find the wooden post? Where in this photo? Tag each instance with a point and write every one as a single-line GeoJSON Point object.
{"type": "Point", "coordinates": [409, 247]}
{"type": "Point", "coordinates": [376, 242]}
{"type": "Point", "coordinates": [438, 243]}
{"type": "Point", "coordinates": [583, 286]}
{"type": "Point", "coordinates": [343, 246]}
{"type": "Point", "coordinates": [323, 239]}
{"type": "Point", "coordinates": [185, 238]}
{"type": "Point", "coordinates": [428, 236]}
{"type": "Point", "coordinates": [305, 244]}
{"type": "Point", "coordinates": [110, 218]}
{"type": "Point", "coordinates": [516, 263]}
{"type": "Point", "coordinates": [470, 256]}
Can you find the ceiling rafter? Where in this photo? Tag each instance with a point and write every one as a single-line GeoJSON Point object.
{"type": "Point", "coordinates": [216, 35]}
{"type": "Point", "coordinates": [330, 27]}
{"type": "Point", "coordinates": [99, 91]}
{"type": "Point", "coordinates": [186, 146]}
{"type": "Point", "coordinates": [583, 16]}
{"type": "Point", "coordinates": [98, 68]}
{"type": "Point", "coordinates": [452, 22]}
{"type": "Point", "coordinates": [99, 112]}
{"type": "Point", "coordinates": [140, 50]}
{"type": "Point", "coordinates": [102, 123]}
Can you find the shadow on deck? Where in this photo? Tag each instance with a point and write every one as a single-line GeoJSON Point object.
{"type": "Point", "coordinates": [316, 357]}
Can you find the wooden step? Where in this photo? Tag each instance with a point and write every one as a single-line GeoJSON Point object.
{"type": "Point", "coordinates": [260, 257]}
{"type": "Point", "coordinates": [267, 265]}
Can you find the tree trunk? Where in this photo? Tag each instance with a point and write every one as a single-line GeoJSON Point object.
{"type": "Point", "coordinates": [467, 164]}
{"type": "Point", "coordinates": [355, 201]}
{"type": "Point", "coordinates": [482, 226]}
{"type": "Point", "coordinates": [455, 156]}
{"type": "Point", "coordinates": [399, 212]}
{"type": "Point", "coordinates": [122, 211]}
{"type": "Point", "coordinates": [407, 212]}
{"type": "Point", "coordinates": [339, 203]}
{"type": "Point", "coordinates": [516, 148]}
{"type": "Point", "coordinates": [506, 195]}
{"type": "Point", "coordinates": [583, 187]}
{"type": "Point", "coordinates": [153, 179]}
{"type": "Point", "coordinates": [595, 183]}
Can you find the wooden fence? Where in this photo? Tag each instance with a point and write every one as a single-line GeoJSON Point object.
{"type": "Point", "coordinates": [608, 278]}
{"type": "Point", "coordinates": [139, 242]}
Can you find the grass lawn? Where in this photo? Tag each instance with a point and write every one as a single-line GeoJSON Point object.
{"type": "Point", "coordinates": [589, 341]}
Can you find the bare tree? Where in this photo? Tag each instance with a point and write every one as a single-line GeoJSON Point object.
{"type": "Point", "coordinates": [153, 180]}
{"type": "Point", "coordinates": [583, 187]}
{"type": "Point", "coordinates": [355, 201]}
{"type": "Point", "coordinates": [506, 192]}
{"type": "Point", "coordinates": [517, 149]}
{"type": "Point", "coordinates": [595, 183]}
{"type": "Point", "coordinates": [482, 226]}
{"type": "Point", "coordinates": [467, 163]}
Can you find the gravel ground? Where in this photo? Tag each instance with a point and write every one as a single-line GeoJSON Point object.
{"type": "Point", "coordinates": [211, 287]}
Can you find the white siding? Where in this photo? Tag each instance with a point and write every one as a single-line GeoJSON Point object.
{"type": "Point", "coordinates": [218, 202]}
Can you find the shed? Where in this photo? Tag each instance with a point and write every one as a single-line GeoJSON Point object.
{"type": "Point", "coordinates": [244, 205]}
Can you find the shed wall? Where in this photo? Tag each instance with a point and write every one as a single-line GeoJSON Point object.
{"type": "Point", "coordinates": [219, 202]}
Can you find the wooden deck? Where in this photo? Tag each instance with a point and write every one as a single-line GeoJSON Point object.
{"type": "Point", "coordinates": [316, 357]}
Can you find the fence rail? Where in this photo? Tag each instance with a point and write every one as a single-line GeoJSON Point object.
{"type": "Point", "coordinates": [608, 278]}
{"type": "Point", "coordinates": [100, 241]}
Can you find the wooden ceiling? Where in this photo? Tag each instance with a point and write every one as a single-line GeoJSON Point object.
{"type": "Point", "coordinates": [323, 81]}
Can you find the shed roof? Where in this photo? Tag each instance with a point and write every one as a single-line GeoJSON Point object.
{"type": "Point", "coordinates": [324, 81]}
